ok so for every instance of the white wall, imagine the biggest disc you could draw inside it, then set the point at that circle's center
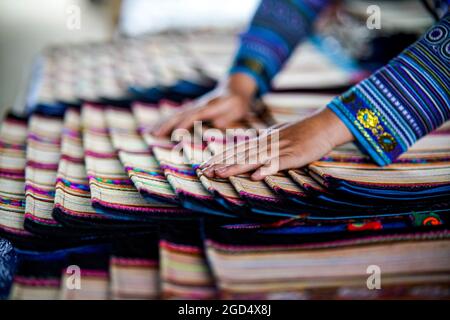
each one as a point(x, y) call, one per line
point(27, 26)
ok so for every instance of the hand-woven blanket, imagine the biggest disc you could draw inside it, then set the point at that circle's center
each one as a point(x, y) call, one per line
point(112, 192)
point(134, 268)
point(187, 186)
point(42, 156)
point(73, 206)
point(294, 269)
point(178, 171)
point(136, 157)
point(13, 133)
point(221, 189)
point(185, 272)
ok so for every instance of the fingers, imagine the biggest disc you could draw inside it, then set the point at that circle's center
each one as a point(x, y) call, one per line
point(243, 152)
point(208, 112)
point(167, 126)
point(235, 169)
point(197, 111)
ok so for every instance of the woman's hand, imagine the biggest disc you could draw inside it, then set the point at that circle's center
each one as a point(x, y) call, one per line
point(223, 106)
point(291, 146)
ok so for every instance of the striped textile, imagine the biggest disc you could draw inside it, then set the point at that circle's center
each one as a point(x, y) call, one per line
point(152, 226)
point(184, 271)
point(42, 155)
point(94, 275)
point(149, 115)
point(112, 192)
point(178, 171)
point(38, 277)
point(136, 156)
point(421, 173)
point(73, 198)
point(13, 133)
point(73, 207)
point(221, 189)
point(134, 268)
point(185, 183)
point(296, 268)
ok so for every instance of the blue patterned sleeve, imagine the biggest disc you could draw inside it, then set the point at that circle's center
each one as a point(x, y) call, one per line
point(275, 30)
point(403, 101)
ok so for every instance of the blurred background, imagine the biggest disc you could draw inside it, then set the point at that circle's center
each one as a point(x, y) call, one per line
point(28, 26)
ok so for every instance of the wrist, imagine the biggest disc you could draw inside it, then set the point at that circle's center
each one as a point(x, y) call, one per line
point(242, 85)
point(335, 129)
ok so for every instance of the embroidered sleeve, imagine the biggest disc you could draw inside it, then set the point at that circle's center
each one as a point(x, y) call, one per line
point(403, 101)
point(275, 30)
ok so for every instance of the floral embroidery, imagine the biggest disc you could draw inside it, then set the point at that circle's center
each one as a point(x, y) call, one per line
point(387, 142)
point(370, 121)
point(367, 118)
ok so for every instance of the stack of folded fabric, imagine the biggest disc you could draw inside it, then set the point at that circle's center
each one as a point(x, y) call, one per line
point(140, 220)
point(97, 207)
point(335, 260)
point(13, 135)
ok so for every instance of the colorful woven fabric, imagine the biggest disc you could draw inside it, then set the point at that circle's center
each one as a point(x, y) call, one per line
point(297, 269)
point(42, 155)
point(73, 206)
point(72, 198)
point(135, 155)
point(38, 277)
point(112, 192)
point(184, 181)
point(185, 273)
point(287, 107)
point(134, 268)
point(158, 228)
point(420, 174)
point(93, 269)
point(221, 189)
point(148, 116)
point(178, 171)
point(13, 135)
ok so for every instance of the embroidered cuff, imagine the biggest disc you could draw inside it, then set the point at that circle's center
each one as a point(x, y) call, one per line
point(373, 132)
